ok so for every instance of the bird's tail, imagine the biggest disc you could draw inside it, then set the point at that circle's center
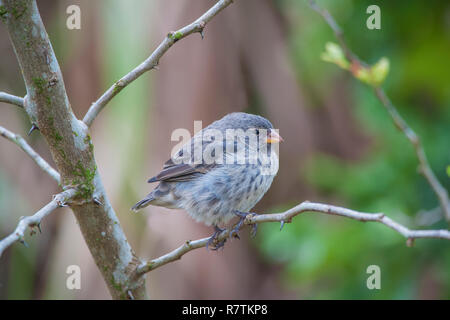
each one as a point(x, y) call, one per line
point(143, 203)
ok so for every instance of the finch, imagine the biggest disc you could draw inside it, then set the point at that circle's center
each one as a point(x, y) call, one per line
point(220, 173)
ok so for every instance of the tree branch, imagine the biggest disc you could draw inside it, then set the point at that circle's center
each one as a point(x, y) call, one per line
point(9, 98)
point(152, 61)
point(59, 200)
point(287, 216)
point(19, 141)
point(400, 123)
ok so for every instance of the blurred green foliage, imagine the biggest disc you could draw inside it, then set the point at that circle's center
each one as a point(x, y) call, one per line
point(325, 256)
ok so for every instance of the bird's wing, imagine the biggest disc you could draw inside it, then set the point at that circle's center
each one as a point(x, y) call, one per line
point(183, 168)
point(181, 172)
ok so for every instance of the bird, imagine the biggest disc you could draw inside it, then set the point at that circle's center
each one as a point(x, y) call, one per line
point(222, 172)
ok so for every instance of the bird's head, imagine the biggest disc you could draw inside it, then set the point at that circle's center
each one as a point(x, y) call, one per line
point(249, 123)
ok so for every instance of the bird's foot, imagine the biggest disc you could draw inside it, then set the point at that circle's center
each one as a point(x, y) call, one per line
point(213, 240)
point(254, 230)
point(242, 216)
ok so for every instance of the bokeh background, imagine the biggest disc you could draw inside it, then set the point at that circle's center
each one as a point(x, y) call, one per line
point(259, 56)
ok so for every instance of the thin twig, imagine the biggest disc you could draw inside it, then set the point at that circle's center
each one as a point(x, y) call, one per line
point(11, 99)
point(59, 200)
point(19, 141)
point(152, 61)
point(400, 123)
point(424, 166)
point(287, 216)
point(336, 30)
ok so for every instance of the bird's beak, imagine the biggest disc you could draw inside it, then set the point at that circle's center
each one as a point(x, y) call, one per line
point(274, 137)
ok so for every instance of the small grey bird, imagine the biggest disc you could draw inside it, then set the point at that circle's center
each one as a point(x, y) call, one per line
point(220, 173)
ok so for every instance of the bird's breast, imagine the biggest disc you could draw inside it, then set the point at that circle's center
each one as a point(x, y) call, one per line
point(215, 196)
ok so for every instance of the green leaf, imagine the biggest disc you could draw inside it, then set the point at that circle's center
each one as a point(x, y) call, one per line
point(373, 76)
point(334, 54)
point(379, 71)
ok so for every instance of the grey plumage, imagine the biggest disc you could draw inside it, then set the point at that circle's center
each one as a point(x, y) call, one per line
point(212, 192)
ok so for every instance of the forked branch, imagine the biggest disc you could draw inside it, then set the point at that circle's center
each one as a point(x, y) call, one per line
point(58, 200)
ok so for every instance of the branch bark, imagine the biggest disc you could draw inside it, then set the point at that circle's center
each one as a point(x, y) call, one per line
point(11, 99)
point(19, 141)
point(153, 60)
point(287, 216)
point(58, 201)
point(399, 122)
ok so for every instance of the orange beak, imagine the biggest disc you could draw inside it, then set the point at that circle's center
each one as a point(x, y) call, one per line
point(274, 137)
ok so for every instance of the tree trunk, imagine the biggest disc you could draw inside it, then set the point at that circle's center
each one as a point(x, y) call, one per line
point(47, 106)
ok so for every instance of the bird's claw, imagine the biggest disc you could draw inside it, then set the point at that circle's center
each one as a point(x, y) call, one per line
point(235, 230)
point(213, 240)
point(234, 234)
point(219, 245)
point(254, 230)
point(242, 216)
